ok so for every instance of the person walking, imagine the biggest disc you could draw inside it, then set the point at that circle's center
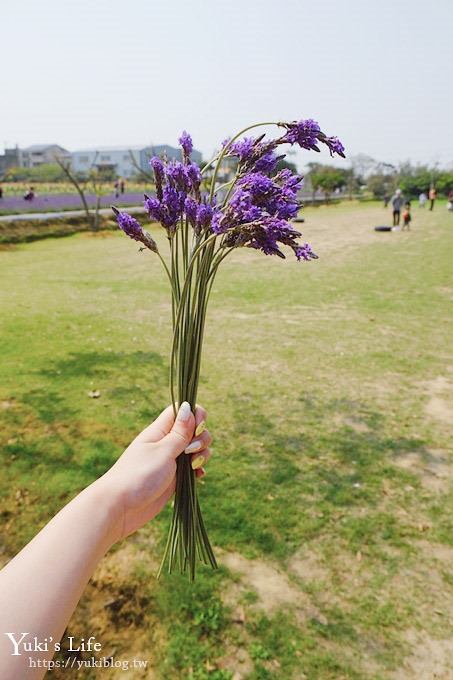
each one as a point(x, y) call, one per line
point(422, 200)
point(397, 202)
point(432, 197)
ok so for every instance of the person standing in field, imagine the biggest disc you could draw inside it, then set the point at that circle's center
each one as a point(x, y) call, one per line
point(116, 186)
point(122, 185)
point(422, 200)
point(407, 217)
point(397, 202)
point(432, 197)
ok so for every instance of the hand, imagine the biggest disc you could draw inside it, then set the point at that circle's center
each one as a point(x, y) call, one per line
point(143, 478)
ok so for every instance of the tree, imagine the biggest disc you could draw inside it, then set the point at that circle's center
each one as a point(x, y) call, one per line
point(381, 185)
point(327, 178)
point(92, 179)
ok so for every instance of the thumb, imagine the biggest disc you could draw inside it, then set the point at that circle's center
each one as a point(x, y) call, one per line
point(181, 433)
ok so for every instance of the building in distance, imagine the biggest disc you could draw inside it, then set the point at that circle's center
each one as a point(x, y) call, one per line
point(123, 161)
point(40, 154)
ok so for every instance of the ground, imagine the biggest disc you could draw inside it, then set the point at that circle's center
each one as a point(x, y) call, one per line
point(329, 496)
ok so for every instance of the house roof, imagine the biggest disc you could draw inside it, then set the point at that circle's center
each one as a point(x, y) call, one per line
point(36, 148)
point(102, 149)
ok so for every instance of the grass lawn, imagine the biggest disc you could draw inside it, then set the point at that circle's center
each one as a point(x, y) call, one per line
point(329, 497)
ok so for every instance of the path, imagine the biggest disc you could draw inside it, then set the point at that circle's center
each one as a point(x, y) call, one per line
point(63, 213)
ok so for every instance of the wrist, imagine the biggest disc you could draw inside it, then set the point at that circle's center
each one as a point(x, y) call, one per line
point(107, 505)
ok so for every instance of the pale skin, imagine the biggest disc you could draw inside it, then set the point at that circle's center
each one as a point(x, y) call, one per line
point(41, 586)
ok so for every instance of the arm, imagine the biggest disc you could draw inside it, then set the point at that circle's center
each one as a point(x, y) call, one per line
point(40, 587)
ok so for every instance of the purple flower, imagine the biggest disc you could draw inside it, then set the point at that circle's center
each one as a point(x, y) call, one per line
point(154, 208)
point(194, 177)
point(304, 252)
point(186, 142)
point(190, 208)
point(216, 222)
point(159, 174)
point(167, 211)
point(304, 133)
point(335, 146)
point(204, 216)
point(266, 163)
point(242, 208)
point(256, 183)
point(242, 149)
point(173, 202)
point(134, 230)
point(177, 175)
point(265, 234)
point(307, 133)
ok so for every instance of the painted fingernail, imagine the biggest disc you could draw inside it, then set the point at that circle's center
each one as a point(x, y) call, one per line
point(198, 462)
point(193, 446)
point(201, 427)
point(184, 411)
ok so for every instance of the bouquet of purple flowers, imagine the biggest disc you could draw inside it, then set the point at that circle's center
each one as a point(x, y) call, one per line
point(204, 221)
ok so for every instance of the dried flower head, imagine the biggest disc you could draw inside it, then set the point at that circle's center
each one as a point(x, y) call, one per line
point(134, 230)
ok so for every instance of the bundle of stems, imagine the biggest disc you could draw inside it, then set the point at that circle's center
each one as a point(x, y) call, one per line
point(195, 260)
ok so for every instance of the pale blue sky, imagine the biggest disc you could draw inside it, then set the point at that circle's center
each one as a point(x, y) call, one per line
point(99, 72)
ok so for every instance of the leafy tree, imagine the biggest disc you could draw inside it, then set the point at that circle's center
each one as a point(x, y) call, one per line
point(327, 178)
point(381, 184)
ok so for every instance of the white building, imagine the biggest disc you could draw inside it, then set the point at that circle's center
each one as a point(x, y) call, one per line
point(118, 160)
point(122, 161)
point(38, 154)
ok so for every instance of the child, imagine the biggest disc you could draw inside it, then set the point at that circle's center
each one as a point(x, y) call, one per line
point(407, 217)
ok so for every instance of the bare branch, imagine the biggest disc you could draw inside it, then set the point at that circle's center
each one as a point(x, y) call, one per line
point(140, 170)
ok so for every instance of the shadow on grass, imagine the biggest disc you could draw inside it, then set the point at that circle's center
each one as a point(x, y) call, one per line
point(55, 439)
point(98, 363)
point(275, 489)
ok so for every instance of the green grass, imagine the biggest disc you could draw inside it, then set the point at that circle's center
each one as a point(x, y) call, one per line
point(317, 379)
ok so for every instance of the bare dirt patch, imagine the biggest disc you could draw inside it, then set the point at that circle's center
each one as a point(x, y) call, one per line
point(440, 399)
point(354, 422)
point(7, 404)
point(272, 586)
point(431, 659)
point(432, 466)
point(308, 567)
point(236, 660)
point(115, 610)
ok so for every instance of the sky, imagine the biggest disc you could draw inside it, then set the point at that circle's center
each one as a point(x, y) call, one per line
point(91, 73)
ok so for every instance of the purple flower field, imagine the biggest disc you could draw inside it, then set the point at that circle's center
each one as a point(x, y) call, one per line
point(61, 202)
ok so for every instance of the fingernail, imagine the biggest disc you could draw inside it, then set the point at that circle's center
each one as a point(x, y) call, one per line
point(184, 411)
point(198, 462)
point(201, 427)
point(193, 446)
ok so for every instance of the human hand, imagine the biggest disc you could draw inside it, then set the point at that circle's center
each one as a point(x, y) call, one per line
point(143, 478)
